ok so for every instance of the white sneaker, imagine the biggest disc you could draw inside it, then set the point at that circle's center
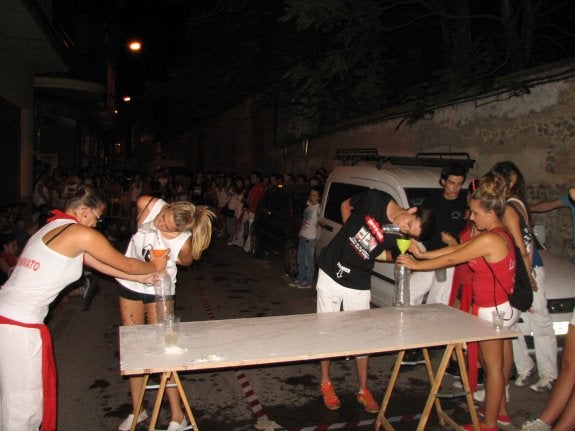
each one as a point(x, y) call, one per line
point(521, 379)
point(535, 425)
point(479, 395)
point(543, 385)
point(127, 424)
point(174, 426)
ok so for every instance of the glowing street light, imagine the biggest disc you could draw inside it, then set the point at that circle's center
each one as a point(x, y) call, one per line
point(126, 98)
point(135, 46)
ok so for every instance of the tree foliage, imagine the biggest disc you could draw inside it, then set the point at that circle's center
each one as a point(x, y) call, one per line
point(363, 55)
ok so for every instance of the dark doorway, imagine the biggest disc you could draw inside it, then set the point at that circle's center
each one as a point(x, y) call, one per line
point(10, 147)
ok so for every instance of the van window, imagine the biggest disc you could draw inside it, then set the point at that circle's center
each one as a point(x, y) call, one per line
point(415, 197)
point(338, 192)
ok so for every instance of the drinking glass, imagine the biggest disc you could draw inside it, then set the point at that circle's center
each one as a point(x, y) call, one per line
point(171, 329)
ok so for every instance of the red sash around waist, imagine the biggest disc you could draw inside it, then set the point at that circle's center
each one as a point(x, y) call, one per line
point(49, 381)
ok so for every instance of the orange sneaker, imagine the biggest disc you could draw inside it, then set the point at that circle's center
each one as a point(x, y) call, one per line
point(330, 399)
point(365, 398)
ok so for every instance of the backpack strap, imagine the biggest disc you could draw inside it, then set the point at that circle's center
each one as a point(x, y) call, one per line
point(511, 203)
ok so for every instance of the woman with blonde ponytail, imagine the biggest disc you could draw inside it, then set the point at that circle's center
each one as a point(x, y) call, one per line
point(186, 231)
point(491, 256)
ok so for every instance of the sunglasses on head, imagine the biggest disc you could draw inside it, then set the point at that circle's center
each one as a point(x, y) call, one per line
point(474, 184)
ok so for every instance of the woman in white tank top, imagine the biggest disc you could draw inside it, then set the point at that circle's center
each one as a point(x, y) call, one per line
point(185, 230)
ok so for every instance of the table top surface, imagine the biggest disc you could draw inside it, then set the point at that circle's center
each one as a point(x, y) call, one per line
point(267, 340)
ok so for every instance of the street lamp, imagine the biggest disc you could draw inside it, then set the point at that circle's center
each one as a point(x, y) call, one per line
point(135, 46)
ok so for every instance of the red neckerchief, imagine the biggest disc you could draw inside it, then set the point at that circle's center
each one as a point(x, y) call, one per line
point(57, 215)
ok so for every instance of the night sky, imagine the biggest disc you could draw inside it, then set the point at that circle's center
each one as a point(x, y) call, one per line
point(160, 29)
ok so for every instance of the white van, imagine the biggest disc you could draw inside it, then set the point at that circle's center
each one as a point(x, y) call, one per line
point(409, 185)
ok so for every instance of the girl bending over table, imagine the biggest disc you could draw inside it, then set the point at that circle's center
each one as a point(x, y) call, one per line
point(185, 230)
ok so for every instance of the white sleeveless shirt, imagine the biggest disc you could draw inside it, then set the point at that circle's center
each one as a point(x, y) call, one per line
point(148, 237)
point(39, 276)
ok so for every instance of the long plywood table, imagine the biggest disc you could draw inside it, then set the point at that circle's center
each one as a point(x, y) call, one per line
point(235, 343)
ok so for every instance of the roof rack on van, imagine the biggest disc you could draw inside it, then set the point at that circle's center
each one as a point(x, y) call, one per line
point(355, 155)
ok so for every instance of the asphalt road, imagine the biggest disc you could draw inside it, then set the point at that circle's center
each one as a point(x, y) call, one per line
point(227, 283)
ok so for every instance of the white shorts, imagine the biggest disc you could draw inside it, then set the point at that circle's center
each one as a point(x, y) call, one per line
point(511, 315)
point(331, 295)
point(572, 322)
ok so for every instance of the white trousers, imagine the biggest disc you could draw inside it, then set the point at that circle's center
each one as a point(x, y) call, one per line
point(248, 243)
point(543, 335)
point(20, 378)
point(424, 282)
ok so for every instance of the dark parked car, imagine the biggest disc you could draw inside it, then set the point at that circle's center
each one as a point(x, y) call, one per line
point(278, 221)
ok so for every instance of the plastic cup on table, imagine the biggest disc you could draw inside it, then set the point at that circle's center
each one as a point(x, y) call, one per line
point(171, 330)
point(498, 320)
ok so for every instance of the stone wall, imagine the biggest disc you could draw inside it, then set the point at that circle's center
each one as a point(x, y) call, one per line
point(535, 130)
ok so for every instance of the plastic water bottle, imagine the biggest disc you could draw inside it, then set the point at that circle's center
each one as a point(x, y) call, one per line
point(401, 291)
point(163, 293)
point(390, 228)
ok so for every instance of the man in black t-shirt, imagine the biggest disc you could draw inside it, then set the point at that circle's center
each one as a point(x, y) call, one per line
point(345, 266)
point(448, 205)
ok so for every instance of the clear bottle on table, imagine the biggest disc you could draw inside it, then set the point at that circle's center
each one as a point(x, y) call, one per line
point(401, 291)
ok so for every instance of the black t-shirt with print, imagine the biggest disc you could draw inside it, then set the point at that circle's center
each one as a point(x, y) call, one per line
point(449, 216)
point(349, 257)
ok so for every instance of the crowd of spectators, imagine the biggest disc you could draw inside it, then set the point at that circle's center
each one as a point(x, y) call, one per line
point(121, 189)
point(52, 188)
